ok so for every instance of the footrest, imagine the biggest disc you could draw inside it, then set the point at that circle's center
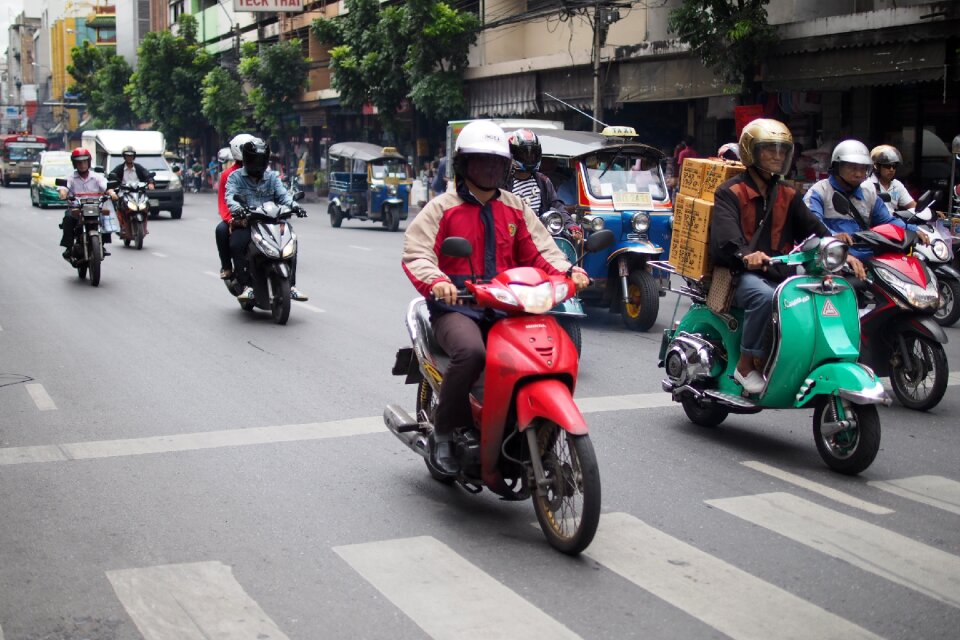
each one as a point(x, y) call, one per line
point(729, 398)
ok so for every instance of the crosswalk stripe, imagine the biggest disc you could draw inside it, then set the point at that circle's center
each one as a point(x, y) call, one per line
point(40, 396)
point(197, 601)
point(158, 254)
point(816, 487)
point(936, 491)
point(715, 592)
point(418, 574)
point(889, 555)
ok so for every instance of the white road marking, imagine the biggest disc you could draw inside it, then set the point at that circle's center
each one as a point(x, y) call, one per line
point(711, 590)
point(40, 396)
point(954, 378)
point(309, 307)
point(211, 273)
point(889, 555)
point(158, 254)
point(190, 441)
point(354, 246)
point(197, 601)
point(936, 491)
point(816, 487)
point(659, 400)
point(416, 574)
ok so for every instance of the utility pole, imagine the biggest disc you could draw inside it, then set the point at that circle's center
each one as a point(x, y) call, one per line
point(603, 17)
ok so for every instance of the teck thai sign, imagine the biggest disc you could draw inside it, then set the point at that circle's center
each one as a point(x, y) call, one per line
point(291, 6)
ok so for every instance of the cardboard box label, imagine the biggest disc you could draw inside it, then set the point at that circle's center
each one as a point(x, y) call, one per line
point(691, 218)
point(691, 176)
point(716, 174)
point(691, 259)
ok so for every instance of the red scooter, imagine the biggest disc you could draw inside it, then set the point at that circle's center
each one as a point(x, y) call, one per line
point(528, 439)
point(900, 338)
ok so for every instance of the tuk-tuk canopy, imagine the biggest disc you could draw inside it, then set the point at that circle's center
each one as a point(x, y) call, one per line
point(575, 144)
point(364, 151)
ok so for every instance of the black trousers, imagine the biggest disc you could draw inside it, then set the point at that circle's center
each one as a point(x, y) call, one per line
point(462, 338)
point(223, 245)
point(239, 240)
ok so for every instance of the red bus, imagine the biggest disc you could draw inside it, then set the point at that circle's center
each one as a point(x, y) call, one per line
point(19, 152)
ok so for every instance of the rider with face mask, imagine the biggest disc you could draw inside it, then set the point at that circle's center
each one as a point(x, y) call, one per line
point(505, 233)
point(257, 185)
point(849, 167)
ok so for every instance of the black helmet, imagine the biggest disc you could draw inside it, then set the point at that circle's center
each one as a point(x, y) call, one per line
point(256, 157)
point(526, 151)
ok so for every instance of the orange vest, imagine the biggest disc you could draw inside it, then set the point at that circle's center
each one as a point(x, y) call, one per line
point(752, 210)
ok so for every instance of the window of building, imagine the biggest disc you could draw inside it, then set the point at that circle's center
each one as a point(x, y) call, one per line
point(176, 10)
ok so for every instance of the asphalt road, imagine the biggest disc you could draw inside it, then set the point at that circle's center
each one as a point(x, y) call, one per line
point(173, 467)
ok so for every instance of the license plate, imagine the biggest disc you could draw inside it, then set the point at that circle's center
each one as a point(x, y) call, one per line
point(631, 199)
point(154, 203)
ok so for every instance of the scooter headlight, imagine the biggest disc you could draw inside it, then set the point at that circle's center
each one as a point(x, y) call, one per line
point(833, 255)
point(593, 223)
point(919, 297)
point(561, 292)
point(290, 248)
point(640, 222)
point(941, 250)
point(265, 246)
point(538, 299)
point(553, 221)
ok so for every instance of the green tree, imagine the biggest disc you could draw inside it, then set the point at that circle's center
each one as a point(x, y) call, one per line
point(352, 37)
point(732, 37)
point(166, 88)
point(223, 102)
point(277, 74)
point(86, 60)
point(108, 103)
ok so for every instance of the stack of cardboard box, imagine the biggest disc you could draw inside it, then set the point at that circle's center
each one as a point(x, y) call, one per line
point(699, 179)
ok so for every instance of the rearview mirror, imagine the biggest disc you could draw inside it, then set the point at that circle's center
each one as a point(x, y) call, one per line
point(600, 240)
point(153, 174)
point(456, 247)
point(113, 184)
point(925, 200)
point(240, 198)
point(98, 170)
point(299, 195)
point(840, 203)
point(60, 182)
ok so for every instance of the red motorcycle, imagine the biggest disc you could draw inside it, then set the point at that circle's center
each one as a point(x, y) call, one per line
point(900, 337)
point(528, 439)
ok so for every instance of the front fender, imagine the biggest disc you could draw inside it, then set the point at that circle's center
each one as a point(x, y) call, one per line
point(335, 201)
point(551, 400)
point(924, 326)
point(849, 380)
point(644, 250)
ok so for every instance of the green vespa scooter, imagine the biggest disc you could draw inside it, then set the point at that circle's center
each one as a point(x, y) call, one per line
point(813, 361)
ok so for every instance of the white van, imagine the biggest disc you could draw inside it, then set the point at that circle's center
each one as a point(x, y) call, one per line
point(106, 146)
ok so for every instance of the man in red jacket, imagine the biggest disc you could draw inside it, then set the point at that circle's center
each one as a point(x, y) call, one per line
point(505, 233)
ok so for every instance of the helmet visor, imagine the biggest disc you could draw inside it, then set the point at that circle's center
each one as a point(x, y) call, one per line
point(527, 156)
point(255, 164)
point(774, 157)
point(486, 170)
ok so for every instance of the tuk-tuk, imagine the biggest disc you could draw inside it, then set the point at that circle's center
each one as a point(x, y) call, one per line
point(367, 182)
point(609, 180)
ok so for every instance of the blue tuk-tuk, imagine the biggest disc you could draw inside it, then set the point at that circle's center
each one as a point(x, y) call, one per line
point(367, 182)
point(610, 181)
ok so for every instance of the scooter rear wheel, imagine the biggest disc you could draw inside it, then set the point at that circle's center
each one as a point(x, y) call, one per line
point(704, 415)
point(569, 510)
point(923, 387)
point(851, 450)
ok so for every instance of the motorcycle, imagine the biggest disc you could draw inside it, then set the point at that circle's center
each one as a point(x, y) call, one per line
point(133, 207)
point(86, 254)
point(812, 363)
point(528, 439)
point(568, 312)
point(939, 255)
point(900, 337)
point(270, 256)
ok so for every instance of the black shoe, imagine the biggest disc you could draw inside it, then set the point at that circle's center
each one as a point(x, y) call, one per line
point(106, 253)
point(66, 254)
point(442, 458)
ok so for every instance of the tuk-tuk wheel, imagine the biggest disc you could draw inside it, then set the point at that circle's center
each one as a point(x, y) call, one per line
point(336, 216)
point(643, 300)
point(391, 218)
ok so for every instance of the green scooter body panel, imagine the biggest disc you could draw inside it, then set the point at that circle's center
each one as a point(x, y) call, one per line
point(835, 377)
point(701, 320)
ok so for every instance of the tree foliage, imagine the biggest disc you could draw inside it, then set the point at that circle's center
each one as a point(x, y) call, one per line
point(385, 55)
point(277, 74)
point(108, 103)
point(87, 59)
point(732, 37)
point(166, 88)
point(223, 102)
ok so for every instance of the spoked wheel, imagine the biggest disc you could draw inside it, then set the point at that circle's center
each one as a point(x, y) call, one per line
point(138, 234)
point(280, 300)
point(569, 510)
point(96, 258)
point(571, 325)
point(705, 415)
point(427, 405)
point(921, 383)
point(847, 434)
point(948, 312)
point(640, 311)
point(336, 216)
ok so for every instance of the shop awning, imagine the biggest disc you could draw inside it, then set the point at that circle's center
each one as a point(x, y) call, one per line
point(504, 96)
point(575, 87)
point(668, 79)
point(869, 66)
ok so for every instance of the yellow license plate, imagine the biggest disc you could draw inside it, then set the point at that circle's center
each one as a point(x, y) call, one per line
point(631, 199)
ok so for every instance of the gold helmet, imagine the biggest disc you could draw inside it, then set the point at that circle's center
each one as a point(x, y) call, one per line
point(885, 154)
point(761, 132)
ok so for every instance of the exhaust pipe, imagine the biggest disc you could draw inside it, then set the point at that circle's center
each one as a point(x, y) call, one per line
point(405, 428)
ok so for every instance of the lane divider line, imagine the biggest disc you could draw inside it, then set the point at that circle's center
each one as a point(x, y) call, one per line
point(40, 396)
point(816, 487)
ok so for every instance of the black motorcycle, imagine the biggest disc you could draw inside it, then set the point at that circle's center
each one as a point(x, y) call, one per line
point(133, 206)
point(86, 253)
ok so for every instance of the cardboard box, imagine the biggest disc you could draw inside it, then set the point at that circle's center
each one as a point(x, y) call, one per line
point(691, 176)
point(717, 173)
point(691, 219)
point(690, 259)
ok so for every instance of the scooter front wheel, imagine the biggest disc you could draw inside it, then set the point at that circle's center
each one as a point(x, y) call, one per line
point(847, 443)
point(568, 510)
point(280, 302)
point(921, 385)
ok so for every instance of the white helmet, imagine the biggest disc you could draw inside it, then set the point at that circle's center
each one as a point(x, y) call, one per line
point(237, 142)
point(852, 151)
point(224, 155)
point(482, 136)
